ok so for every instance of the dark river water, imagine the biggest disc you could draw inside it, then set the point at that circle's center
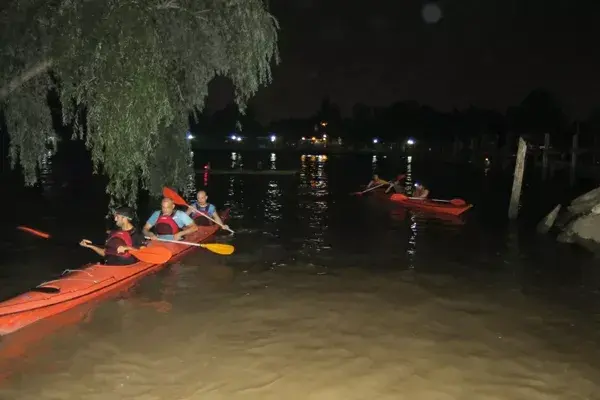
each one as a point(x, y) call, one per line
point(328, 295)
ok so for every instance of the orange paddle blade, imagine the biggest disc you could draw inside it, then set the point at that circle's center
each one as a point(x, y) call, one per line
point(153, 255)
point(219, 248)
point(34, 232)
point(173, 195)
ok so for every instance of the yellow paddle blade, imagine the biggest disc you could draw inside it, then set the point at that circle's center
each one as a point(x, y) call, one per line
point(219, 248)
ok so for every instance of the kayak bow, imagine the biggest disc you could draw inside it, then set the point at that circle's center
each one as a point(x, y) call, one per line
point(79, 286)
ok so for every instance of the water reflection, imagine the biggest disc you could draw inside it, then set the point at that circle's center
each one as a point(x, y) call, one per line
point(273, 204)
point(314, 201)
point(409, 178)
point(47, 181)
point(236, 160)
point(411, 250)
point(189, 190)
point(374, 163)
point(272, 160)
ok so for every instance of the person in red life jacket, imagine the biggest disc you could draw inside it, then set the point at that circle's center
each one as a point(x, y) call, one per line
point(201, 204)
point(396, 184)
point(119, 241)
point(169, 223)
point(421, 191)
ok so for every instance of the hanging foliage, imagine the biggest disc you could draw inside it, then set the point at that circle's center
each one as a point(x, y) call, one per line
point(128, 72)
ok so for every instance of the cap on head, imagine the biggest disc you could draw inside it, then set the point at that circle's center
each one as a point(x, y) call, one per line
point(125, 212)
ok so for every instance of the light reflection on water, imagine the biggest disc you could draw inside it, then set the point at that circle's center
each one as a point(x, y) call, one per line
point(46, 180)
point(314, 200)
point(189, 190)
point(273, 204)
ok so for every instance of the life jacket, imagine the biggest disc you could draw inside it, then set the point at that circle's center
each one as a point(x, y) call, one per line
point(166, 225)
point(119, 238)
point(198, 218)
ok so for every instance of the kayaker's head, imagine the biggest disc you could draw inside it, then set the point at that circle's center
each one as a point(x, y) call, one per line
point(167, 206)
point(123, 217)
point(202, 197)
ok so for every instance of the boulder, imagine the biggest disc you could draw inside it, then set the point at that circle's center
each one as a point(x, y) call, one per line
point(587, 227)
point(579, 223)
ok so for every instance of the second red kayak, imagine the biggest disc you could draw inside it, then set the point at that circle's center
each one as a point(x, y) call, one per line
point(452, 207)
point(78, 286)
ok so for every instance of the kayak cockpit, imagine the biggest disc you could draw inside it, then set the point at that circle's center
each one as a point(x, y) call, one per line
point(46, 289)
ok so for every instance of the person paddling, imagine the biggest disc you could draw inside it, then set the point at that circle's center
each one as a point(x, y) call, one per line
point(376, 181)
point(201, 204)
point(421, 191)
point(120, 241)
point(169, 223)
point(396, 184)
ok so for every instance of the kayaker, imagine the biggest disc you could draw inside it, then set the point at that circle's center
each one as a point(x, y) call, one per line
point(396, 184)
point(169, 223)
point(201, 204)
point(375, 181)
point(119, 241)
point(421, 191)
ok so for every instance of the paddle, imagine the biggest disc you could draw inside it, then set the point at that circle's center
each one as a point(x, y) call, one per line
point(150, 255)
point(369, 189)
point(219, 248)
point(177, 199)
point(454, 202)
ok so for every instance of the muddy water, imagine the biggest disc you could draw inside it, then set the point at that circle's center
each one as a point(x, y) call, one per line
point(317, 305)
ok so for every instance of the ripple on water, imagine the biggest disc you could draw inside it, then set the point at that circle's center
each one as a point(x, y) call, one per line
point(349, 336)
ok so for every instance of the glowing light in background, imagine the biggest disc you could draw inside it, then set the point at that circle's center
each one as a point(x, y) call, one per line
point(431, 13)
point(375, 141)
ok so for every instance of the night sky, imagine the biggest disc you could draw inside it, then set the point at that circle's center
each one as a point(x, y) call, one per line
point(489, 53)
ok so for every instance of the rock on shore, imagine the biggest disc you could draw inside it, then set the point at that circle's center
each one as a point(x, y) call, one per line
point(579, 223)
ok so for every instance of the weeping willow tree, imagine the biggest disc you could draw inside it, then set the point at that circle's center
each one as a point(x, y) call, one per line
point(128, 74)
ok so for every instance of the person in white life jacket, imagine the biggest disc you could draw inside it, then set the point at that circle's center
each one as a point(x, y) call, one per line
point(420, 191)
point(119, 241)
point(169, 223)
point(205, 208)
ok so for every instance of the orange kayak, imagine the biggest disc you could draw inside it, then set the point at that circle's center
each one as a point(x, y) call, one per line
point(79, 286)
point(436, 206)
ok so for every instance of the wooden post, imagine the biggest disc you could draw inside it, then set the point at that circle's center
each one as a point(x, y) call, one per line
point(513, 209)
point(545, 156)
point(574, 150)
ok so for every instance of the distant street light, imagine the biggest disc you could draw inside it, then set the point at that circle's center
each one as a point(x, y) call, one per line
point(410, 142)
point(273, 138)
point(190, 136)
point(375, 141)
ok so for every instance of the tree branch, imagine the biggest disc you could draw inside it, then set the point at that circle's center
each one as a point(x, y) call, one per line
point(20, 80)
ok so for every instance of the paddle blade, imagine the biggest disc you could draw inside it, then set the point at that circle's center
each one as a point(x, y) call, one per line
point(173, 195)
point(219, 248)
point(458, 202)
point(34, 232)
point(153, 255)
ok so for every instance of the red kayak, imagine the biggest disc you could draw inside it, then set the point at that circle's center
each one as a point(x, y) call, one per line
point(452, 207)
point(79, 286)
